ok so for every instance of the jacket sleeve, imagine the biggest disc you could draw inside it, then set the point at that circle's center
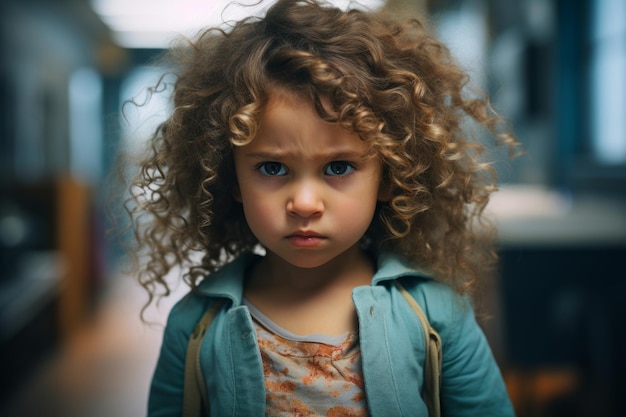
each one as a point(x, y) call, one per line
point(472, 384)
point(166, 390)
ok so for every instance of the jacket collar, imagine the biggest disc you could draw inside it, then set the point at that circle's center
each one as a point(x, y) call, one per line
point(392, 267)
point(228, 282)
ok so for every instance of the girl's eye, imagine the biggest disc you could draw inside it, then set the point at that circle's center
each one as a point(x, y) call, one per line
point(272, 169)
point(339, 168)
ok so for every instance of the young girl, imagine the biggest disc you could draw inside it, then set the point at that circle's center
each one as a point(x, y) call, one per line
point(313, 158)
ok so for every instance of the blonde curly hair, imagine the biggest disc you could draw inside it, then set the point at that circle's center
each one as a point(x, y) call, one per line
point(393, 84)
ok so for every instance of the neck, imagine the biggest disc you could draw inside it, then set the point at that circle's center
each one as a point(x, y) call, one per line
point(351, 268)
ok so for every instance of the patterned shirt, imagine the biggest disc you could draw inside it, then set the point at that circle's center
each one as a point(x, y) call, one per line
point(314, 375)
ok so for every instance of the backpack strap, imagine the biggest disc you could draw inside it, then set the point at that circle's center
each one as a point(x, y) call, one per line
point(195, 398)
point(432, 363)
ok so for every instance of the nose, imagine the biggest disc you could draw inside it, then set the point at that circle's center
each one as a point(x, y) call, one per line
point(305, 200)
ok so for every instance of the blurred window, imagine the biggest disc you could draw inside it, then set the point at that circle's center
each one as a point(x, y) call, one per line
point(608, 81)
point(85, 101)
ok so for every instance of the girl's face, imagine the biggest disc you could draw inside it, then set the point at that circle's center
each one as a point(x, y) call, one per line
point(309, 188)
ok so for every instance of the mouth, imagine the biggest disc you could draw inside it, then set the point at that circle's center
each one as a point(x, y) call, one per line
point(306, 233)
point(306, 239)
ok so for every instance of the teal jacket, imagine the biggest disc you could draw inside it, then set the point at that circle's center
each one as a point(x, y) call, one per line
point(392, 349)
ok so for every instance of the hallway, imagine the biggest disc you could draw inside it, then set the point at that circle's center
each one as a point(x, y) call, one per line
point(105, 369)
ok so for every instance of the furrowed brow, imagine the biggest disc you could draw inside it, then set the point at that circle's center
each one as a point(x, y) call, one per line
point(331, 156)
point(268, 156)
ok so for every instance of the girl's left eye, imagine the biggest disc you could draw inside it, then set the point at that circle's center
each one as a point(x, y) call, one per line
point(339, 168)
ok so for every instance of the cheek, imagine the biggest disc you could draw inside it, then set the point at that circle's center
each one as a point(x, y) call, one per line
point(258, 208)
point(358, 210)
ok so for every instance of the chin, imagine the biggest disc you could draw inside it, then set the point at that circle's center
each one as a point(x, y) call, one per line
point(306, 259)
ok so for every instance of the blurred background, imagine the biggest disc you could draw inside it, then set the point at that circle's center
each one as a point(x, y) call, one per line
point(72, 343)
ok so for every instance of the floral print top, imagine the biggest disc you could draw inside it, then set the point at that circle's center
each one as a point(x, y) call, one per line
point(315, 375)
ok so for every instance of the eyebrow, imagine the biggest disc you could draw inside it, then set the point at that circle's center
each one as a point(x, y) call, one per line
point(336, 156)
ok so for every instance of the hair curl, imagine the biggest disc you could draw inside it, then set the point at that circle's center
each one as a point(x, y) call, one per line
point(393, 84)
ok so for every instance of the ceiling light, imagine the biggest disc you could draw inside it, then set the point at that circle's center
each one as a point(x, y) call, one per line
point(156, 23)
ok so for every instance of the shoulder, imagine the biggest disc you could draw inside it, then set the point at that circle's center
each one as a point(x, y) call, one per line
point(437, 299)
point(184, 316)
point(226, 284)
point(440, 302)
point(449, 313)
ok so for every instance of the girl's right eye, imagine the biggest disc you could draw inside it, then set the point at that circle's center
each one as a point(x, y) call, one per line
point(272, 169)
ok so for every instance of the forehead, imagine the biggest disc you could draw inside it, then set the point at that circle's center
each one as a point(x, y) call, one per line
point(290, 124)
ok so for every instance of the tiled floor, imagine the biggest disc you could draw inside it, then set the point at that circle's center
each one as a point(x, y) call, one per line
point(105, 369)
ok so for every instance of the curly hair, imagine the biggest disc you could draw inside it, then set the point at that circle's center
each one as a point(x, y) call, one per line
point(392, 83)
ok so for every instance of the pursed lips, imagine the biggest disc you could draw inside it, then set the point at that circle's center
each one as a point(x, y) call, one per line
point(306, 238)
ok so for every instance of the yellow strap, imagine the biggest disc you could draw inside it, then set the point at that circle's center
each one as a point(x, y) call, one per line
point(432, 363)
point(195, 399)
